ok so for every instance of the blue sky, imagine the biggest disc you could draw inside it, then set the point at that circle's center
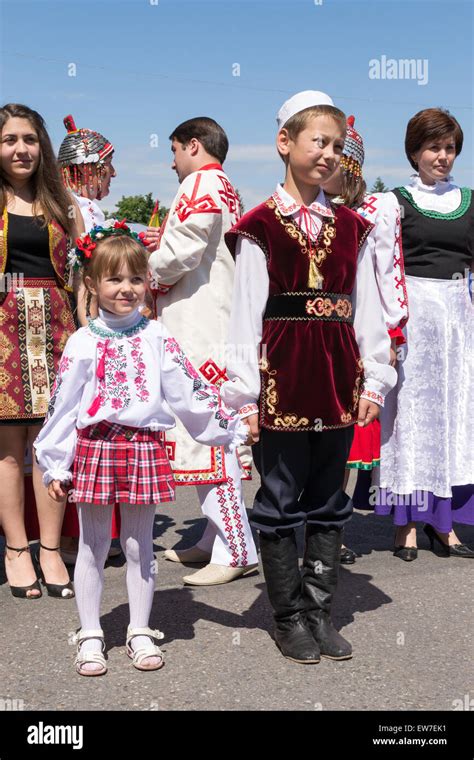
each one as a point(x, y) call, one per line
point(143, 66)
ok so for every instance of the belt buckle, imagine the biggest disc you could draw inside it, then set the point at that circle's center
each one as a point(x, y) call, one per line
point(129, 434)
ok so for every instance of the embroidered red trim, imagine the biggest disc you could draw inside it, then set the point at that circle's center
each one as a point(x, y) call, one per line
point(248, 409)
point(372, 396)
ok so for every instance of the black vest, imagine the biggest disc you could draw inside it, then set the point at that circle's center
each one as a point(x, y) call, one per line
point(439, 248)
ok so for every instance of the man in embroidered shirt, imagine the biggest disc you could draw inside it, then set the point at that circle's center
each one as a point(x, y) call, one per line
point(195, 272)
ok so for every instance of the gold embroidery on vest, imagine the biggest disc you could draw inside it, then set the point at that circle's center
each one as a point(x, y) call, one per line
point(271, 399)
point(356, 393)
point(3, 242)
point(316, 255)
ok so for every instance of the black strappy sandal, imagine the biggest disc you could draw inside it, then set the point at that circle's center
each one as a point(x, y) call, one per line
point(22, 591)
point(60, 591)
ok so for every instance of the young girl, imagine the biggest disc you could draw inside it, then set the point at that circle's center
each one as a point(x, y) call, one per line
point(118, 379)
point(348, 186)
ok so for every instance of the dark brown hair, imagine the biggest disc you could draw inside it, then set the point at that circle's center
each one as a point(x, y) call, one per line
point(111, 253)
point(431, 124)
point(300, 121)
point(50, 194)
point(209, 133)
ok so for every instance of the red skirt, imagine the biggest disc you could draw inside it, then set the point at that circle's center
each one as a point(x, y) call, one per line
point(35, 322)
point(365, 450)
point(115, 463)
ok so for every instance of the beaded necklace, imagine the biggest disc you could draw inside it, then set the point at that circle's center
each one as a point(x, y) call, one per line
point(458, 212)
point(118, 333)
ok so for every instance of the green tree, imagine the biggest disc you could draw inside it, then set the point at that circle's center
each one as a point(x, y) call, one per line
point(379, 186)
point(136, 208)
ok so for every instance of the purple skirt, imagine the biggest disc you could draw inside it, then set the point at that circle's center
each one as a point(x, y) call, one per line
point(424, 506)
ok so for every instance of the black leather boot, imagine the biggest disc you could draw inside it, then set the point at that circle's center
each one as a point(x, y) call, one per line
point(320, 573)
point(282, 575)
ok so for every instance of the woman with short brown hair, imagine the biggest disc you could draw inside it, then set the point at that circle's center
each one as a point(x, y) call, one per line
point(427, 427)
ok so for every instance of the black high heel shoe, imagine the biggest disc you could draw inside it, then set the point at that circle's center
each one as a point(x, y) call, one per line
point(60, 591)
point(406, 553)
point(21, 592)
point(456, 550)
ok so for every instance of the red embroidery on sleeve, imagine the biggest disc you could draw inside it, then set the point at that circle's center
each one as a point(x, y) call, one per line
point(229, 197)
point(195, 205)
point(213, 373)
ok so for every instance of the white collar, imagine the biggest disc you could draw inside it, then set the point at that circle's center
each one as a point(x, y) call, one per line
point(116, 323)
point(287, 205)
point(439, 188)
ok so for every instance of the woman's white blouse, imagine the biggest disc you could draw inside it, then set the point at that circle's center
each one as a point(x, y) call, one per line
point(443, 196)
point(139, 380)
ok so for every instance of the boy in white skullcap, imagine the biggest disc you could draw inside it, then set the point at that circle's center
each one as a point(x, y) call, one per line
point(305, 294)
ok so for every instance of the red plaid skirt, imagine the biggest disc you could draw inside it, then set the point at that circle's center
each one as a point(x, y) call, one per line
point(115, 463)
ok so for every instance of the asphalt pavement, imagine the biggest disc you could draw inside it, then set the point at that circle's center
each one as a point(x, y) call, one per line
point(410, 625)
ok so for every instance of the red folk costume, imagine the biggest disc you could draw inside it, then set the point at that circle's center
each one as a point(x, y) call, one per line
point(300, 321)
point(305, 294)
point(35, 322)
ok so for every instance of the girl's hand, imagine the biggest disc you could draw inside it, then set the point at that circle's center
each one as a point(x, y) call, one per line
point(57, 490)
point(368, 412)
point(254, 431)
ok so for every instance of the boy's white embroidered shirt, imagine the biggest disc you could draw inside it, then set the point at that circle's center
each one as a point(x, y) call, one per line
point(137, 378)
point(251, 290)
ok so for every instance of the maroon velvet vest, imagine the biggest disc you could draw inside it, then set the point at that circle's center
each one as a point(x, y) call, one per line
point(311, 371)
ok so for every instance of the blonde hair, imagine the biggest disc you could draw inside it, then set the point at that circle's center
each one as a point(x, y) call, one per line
point(110, 255)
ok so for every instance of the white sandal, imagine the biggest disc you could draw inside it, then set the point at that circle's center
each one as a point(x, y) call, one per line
point(84, 658)
point(138, 655)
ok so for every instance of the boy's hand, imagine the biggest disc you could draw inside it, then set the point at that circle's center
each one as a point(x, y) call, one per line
point(57, 490)
point(368, 412)
point(254, 431)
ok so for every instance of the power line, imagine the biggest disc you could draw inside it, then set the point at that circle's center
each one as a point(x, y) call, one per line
point(234, 86)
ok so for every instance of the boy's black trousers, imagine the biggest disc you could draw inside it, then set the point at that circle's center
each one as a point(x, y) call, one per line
point(301, 480)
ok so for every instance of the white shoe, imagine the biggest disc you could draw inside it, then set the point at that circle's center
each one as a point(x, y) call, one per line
point(213, 575)
point(138, 655)
point(86, 658)
point(193, 554)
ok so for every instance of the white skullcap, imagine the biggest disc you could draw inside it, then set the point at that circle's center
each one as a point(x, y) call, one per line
point(299, 102)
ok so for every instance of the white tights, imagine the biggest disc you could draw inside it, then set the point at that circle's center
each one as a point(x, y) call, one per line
point(136, 538)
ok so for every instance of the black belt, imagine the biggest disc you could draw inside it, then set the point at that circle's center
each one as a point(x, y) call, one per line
point(330, 307)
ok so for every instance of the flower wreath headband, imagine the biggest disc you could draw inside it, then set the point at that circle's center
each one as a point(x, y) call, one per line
point(87, 242)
